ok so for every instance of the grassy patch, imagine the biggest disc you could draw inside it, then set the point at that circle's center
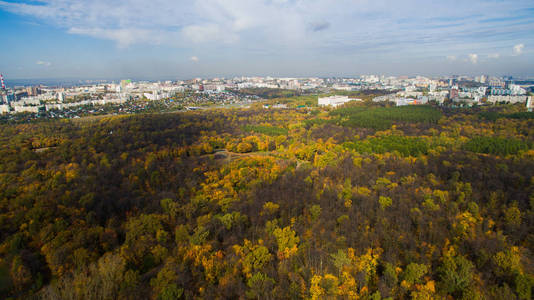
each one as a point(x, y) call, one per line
point(405, 145)
point(267, 130)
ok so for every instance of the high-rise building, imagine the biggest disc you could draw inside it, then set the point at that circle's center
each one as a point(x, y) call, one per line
point(481, 78)
point(61, 96)
point(497, 83)
point(454, 93)
point(7, 97)
point(33, 90)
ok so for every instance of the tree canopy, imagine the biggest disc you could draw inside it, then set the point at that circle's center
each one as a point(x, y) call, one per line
point(359, 202)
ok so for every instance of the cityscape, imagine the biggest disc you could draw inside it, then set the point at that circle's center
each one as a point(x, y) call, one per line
point(129, 96)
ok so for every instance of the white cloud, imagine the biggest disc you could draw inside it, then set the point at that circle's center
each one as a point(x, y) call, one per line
point(518, 49)
point(473, 58)
point(343, 26)
point(194, 59)
point(208, 33)
point(44, 63)
point(451, 58)
point(123, 37)
point(494, 55)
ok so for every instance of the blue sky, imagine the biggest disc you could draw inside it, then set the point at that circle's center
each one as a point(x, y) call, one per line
point(182, 39)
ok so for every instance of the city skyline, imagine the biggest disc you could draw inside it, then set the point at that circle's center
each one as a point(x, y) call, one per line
point(163, 39)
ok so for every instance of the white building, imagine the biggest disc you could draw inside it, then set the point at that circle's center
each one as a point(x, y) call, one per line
point(517, 90)
point(156, 95)
point(335, 100)
point(405, 101)
point(62, 106)
point(28, 101)
point(31, 109)
point(342, 87)
point(61, 97)
point(4, 108)
point(507, 99)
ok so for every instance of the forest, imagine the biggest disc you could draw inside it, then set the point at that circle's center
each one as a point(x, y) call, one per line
point(365, 201)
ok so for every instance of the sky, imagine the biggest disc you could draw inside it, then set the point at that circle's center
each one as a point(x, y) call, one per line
point(175, 39)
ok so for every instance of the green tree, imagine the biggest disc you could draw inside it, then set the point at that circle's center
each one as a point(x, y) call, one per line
point(456, 274)
point(414, 273)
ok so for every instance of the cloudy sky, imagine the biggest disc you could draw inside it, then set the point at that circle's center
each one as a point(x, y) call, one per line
point(159, 39)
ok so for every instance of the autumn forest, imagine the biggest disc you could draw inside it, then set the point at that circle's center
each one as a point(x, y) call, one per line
point(364, 201)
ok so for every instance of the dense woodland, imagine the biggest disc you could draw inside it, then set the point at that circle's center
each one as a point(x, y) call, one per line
point(360, 202)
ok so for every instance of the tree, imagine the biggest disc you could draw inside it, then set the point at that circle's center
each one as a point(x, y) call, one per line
point(456, 274)
point(287, 242)
point(385, 202)
point(259, 286)
point(414, 273)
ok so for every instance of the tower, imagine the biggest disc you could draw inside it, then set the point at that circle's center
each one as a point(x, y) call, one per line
point(2, 80)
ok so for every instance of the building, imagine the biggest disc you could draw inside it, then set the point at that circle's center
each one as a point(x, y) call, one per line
point(500, 92)
point(33, 90)
point(7, 97)
point(454, 93)
point(4, 109)
point(156, 95)
point(482, 78)
point(61, 97)
point(335, 100)
point(507, 99)
point(497, 83)
point(530, 104)
point(125, 83)
point(517, 90)
point(30, 109)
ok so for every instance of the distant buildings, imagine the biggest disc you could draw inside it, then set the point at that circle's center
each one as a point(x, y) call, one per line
point(497, 83)
point(401, 90)
point(508, 99)
point(400, 100)
point(335, 100)
point(156, 95)
point(33, 90)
